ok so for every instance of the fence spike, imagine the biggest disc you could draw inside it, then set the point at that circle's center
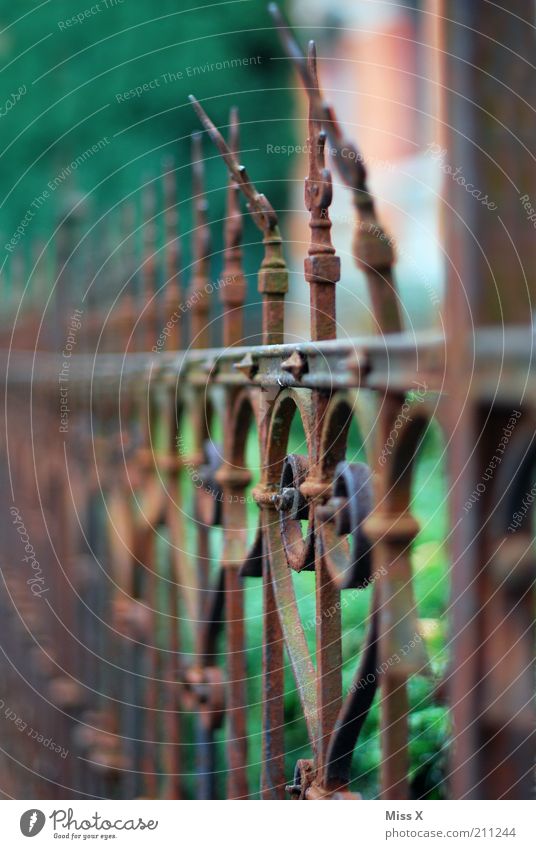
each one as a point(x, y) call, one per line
point(233, 289)
point(128, 258)
point(148, 294)
point(273, 273)
point(173, 254)
point(373, 248)
point(200, 306)
point(322, 266)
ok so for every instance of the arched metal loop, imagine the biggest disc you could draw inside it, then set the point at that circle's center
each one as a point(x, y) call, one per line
point(293, 510)
point(210, 491)
point(345, 545)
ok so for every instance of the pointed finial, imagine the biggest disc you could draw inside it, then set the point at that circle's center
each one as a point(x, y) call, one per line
point(322, 267)
point(233, 290)
point(260, 208)
point(350, 166)
point(273, 273)
point(373, 249)
point(200, 305)
point(172, 291)
point(148, 295)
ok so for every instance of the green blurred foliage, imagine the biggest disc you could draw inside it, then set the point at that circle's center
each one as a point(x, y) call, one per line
point(75, 79)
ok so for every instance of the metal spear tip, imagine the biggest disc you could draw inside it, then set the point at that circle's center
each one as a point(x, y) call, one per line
point(201, 114)
point(311, 84)
point(197, 152)
point(234, 130)
point(275, 12)
point(289, 40)
point(148, 196)
point(213, 133)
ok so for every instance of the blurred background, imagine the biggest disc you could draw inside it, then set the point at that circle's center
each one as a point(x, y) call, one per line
point(95, 99)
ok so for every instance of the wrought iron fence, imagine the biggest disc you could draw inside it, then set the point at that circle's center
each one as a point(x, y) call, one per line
point(135, 518)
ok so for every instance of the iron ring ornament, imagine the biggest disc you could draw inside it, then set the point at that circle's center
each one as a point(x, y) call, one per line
point(345, 546)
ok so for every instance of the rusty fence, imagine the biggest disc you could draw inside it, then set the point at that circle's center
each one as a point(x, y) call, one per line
point(150, 488)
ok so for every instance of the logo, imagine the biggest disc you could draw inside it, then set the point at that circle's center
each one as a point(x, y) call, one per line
point(31, 822)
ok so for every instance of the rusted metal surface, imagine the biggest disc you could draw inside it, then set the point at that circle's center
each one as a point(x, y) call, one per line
point(491, 683)
point(144, 676)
